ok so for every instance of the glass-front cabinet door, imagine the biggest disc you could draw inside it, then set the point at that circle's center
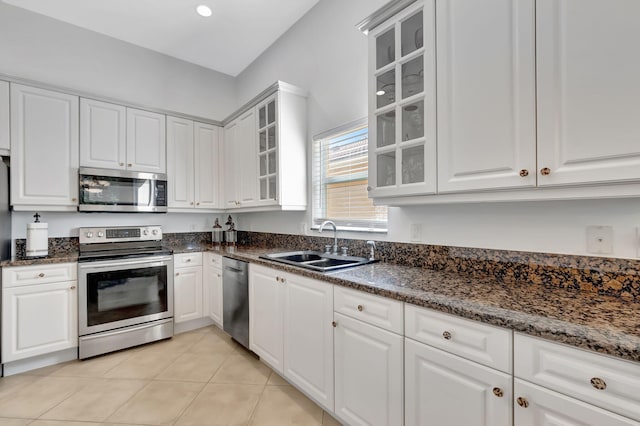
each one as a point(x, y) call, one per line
point(402, 133)
point(268, 149)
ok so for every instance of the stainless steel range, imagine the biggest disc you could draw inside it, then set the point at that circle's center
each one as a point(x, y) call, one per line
point(125, 295)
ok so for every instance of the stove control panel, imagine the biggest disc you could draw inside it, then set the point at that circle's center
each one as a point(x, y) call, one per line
point(120, 234)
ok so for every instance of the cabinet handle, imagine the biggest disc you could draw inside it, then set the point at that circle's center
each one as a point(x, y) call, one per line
point(369, 188)
point(74, 200)
point(598, 383)
point(73, 287)
point(524, 172)
point(334, 324)
point(197, 204)
point(360, 308)
point(446, 335)
point(545, 171)
point(129, 165)
point(187, 260)
point(121, 164)
point(498, 392)
point(522, 402)
point(218, 275)
point(177, 274)
point(41, 274)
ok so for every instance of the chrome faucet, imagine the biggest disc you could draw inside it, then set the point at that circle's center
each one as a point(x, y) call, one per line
point(335, 234)
point(372, 245)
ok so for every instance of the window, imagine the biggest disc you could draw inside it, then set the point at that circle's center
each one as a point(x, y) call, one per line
point(340, 164)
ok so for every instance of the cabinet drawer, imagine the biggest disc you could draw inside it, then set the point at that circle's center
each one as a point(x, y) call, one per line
point(609, 383)
point(375, 310)
point(212, 259)
point(182, 260)
point(473, 340)
point(41, 274)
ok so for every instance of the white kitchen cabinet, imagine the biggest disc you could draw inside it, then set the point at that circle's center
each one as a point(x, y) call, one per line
point(444, 389)
point(368, 373)
point(486, 94)
point(5, 144)
point(308, 337)
point(241, 162)
point(588, 64)
point(39, 310)
point(146, 141)
point(402, 103)
point(266, 315)
point(44, 149)
point(212, 287)
point(187, 283)
point(265, 153)
point(537, 406)
point(192, 165)
point(103, 135)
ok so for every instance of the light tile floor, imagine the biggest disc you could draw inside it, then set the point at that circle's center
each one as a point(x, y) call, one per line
point(197, 378)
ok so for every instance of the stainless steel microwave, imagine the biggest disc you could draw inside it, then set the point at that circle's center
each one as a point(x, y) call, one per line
point(105, 190)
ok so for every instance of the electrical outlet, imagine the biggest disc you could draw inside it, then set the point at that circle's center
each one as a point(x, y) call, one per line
point(600, 239)
point(416, 232)
point(303, 228)
point(637, 241)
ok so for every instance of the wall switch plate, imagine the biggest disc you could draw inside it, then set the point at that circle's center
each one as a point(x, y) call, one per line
point(600, 239)
point(416, 232)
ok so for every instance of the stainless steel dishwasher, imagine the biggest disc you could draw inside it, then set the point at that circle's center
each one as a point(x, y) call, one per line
point(235, 299)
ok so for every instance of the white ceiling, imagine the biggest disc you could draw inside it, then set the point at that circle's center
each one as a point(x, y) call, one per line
point(228, 41)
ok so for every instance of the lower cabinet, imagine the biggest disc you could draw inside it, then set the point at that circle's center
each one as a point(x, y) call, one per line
point(290, 329)
point(212, 287)
point(187, 285)
point(39, 311)
point(537, 406)
point(444, 389)
point(368, 373)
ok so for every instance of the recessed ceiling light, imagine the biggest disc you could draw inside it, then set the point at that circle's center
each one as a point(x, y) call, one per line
point(203, 10)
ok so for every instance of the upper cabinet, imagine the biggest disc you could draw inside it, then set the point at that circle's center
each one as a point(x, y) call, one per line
point(402, 102)
point(4, 118)
point(588, 66)
point(192, 165)
point(486, 94)
point(119, 138)
point(44, 149)
point(530, 94)
point(265, 152)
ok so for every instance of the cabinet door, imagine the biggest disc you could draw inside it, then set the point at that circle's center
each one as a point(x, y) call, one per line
point(187, 297)
point(44, 148)
point(212, 290)
point(39, 319)
point(4, 116)
point(246, 160)
point(308, 337)
point(588, 65)
point(438, 384)
point(267, 149)
point(231, 186)
point(486, 94)
point(368, 374)
point(402, 104)
point(207, 161)
point(146, 141)
point(180, 162)
point(102, 135)
point(266, 296)
point(537, 406)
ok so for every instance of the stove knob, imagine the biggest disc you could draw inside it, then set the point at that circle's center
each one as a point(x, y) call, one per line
point(100, 234)
point(145, 232)
point(89, 234)
point(154, 232)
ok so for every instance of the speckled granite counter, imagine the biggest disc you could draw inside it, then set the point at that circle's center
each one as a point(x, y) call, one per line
point(53, 258)
point(603, 324)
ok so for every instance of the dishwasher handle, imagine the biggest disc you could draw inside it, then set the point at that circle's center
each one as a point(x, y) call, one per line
point(234, 270)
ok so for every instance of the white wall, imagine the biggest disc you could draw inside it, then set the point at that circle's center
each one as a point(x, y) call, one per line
point(39, 48)
point(325, 54)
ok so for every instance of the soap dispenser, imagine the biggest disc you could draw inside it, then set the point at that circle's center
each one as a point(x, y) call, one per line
point(37, 238)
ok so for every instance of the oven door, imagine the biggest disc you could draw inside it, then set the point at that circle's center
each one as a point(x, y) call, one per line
point(120, 293)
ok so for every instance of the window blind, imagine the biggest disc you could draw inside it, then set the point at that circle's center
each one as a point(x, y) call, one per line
point(340, 167)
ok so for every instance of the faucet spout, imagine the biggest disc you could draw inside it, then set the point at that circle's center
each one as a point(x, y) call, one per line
point(335, 234)
point(372, 246)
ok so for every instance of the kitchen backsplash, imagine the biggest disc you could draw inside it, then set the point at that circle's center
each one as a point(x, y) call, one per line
point(605, 276)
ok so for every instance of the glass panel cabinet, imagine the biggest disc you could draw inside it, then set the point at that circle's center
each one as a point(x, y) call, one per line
point(402, 144)
point(267, 136)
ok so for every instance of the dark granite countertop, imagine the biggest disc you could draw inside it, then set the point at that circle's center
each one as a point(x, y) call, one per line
point(53, 258)
point(604, 324)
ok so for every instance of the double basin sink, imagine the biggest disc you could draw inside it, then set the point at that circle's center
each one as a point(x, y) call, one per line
point(317, 260)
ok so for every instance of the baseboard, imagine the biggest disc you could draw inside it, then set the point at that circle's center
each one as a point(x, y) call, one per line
point(40, 361)
point(182, 327)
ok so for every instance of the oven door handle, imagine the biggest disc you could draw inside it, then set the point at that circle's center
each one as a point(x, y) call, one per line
point(108, 264)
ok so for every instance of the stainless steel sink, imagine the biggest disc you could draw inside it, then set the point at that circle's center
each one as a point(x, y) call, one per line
point(316, 260)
